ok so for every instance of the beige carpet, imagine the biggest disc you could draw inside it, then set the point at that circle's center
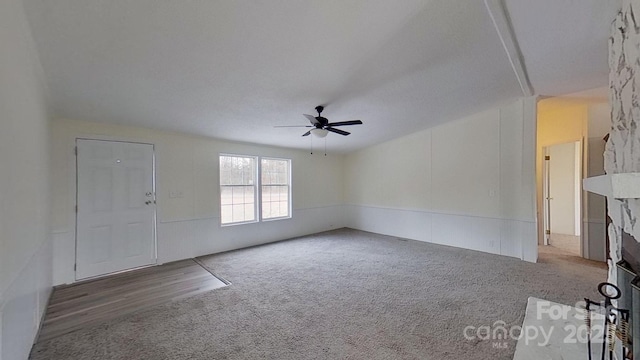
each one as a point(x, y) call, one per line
point(569, 243)
point(343, 294)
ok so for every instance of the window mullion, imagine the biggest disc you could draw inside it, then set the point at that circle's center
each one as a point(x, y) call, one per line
point(258, 191)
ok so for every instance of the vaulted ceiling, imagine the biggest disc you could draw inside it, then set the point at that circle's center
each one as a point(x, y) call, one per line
point(234, 69)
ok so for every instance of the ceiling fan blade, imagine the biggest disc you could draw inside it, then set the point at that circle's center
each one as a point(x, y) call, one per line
point(312, 119)
point(307, 133)
point(338, 131)
point(342, 123)
point(284, 126)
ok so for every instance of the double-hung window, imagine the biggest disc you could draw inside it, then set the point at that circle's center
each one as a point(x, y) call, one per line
point(275, 176)
point(254, 189)
point(238, 176)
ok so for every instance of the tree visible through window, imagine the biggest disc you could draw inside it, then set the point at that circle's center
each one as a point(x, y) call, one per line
point(275, 188)
point(237, 189)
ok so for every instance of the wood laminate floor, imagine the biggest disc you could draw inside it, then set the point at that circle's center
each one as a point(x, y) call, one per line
point(73, 307)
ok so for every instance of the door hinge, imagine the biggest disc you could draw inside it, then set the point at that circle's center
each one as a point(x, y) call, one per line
point(547, 232)
point(75, 150)
point(547, 157)
point(75, 267)
point(76, 208)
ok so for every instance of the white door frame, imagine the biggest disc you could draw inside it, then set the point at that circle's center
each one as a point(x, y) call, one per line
point(546, 196)
point(580, 193)
point(155, 209)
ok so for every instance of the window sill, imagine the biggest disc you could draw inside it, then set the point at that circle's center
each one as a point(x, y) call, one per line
point(276, 219)
point(239, 223)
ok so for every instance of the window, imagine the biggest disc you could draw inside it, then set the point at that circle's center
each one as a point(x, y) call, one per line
point(244, 179)
point(238, 189)
point(275, 188)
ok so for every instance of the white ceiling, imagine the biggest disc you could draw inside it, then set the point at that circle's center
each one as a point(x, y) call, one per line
point(564, 42)
point(234, 69)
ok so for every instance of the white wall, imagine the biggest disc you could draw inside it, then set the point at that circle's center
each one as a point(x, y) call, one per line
point(25, 246)
point(599, 119)
point(469, 183)
point(190, 226)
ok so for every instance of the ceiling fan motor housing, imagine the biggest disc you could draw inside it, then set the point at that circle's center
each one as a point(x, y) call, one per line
point(323, 120)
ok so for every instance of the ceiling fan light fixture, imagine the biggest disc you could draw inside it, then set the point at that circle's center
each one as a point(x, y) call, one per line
point(319, 132)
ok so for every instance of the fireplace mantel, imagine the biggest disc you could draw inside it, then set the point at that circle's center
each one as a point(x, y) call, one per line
point(619, 186)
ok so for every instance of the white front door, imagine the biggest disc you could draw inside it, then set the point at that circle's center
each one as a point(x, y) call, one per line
point(116, 207)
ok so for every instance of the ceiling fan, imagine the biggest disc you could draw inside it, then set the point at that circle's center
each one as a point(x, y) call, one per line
point(321, 125)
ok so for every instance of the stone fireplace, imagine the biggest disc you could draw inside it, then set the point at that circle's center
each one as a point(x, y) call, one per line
point(624, 256)
point(631, 252)
point(629, 284)
point(621, 185)
point(628, 280)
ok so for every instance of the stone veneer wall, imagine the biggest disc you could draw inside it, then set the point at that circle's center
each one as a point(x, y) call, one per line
point(622, 153)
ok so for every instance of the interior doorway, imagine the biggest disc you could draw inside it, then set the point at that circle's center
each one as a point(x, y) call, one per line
point(562, 189)
point(584, 119)
point(116, 212)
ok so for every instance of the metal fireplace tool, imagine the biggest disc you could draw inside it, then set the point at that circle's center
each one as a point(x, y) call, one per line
point(615, 323)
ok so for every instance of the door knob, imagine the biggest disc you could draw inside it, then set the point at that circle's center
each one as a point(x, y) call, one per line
point(148, 194)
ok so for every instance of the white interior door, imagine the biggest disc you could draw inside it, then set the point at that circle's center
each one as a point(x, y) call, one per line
point(562, 173)
point(562, 191)
point(116, 207)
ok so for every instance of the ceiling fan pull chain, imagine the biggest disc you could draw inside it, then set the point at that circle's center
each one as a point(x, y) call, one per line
point(325, 146)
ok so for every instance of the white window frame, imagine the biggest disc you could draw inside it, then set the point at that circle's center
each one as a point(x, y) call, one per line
point(290, 202)
point(257, 190)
